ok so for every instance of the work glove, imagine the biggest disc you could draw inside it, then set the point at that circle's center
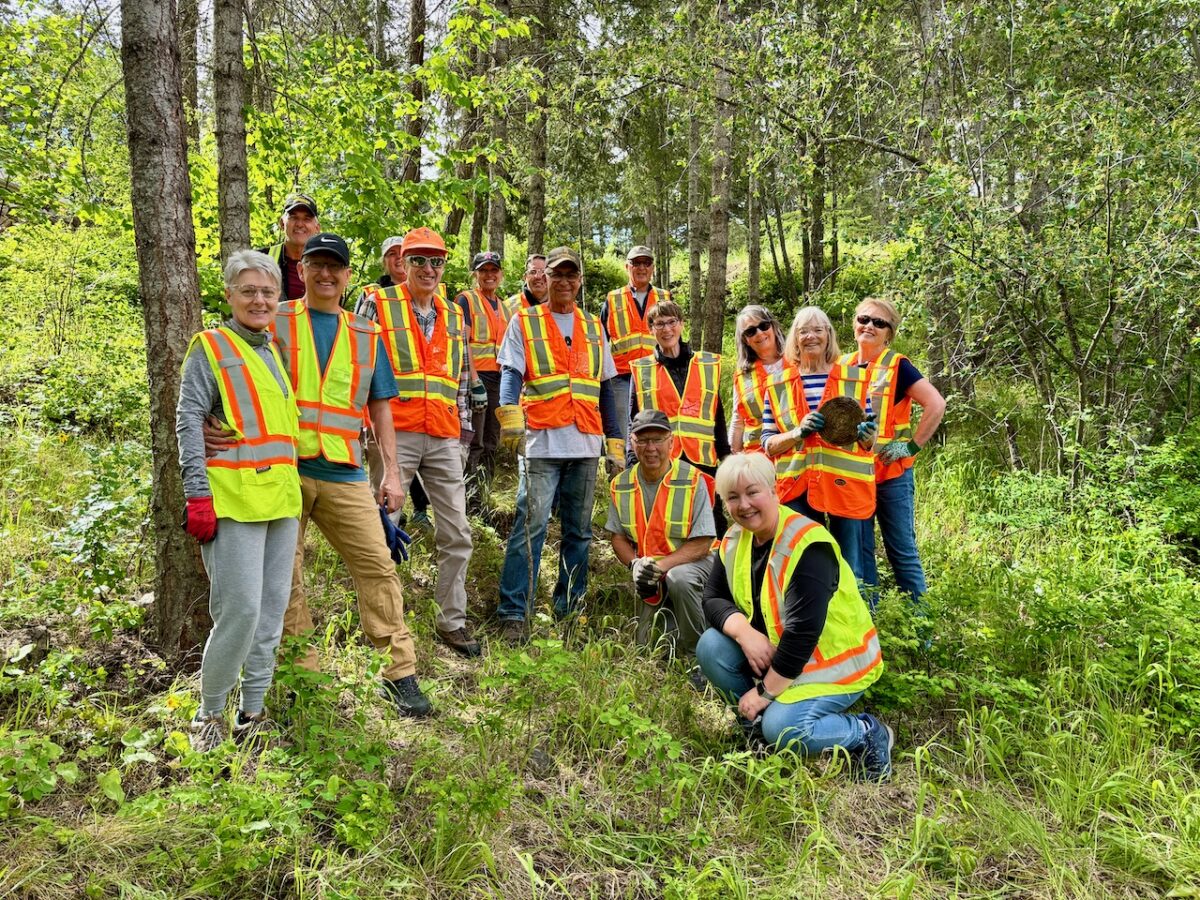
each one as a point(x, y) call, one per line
point(867, 430)
point(646, 575)
point(479, 398)
point(512, 426)
point(894, 451)
point(811, 424)
point(200, 519)
point(614, 456)
point(397, 539)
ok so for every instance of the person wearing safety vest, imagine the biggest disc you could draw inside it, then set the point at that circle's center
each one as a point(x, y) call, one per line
point(425, 339)
point(393, 266)
point(661, 526)
point(624, 316)
point(790, 640)
point(556, 399)
point(487, 318)
point(759, 356)
point(893, 384)
point(243, 504)
point(298, 223)
point(833, 485)
point(685, 384)
point(535, 289)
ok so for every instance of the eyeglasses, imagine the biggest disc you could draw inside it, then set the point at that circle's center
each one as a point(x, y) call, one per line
point(641, 263)
point(665, 323)
point(651, 442)
point(864, 319)
point(532, 272)
point(812, 332)
point(563, 276)
point(419, 261)
point(752, 330)
point(250, 292)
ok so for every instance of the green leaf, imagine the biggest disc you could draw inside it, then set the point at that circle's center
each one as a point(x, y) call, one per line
point(110, 783)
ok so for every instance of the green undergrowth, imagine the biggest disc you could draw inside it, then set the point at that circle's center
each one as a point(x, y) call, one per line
point(1046, 735)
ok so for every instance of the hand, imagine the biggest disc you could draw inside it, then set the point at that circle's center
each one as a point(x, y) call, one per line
point(811, 424)
point(479, 397)
point(647, 575)
point(758, 650)
point(894, 451)
point(218, 437)
point(200, 519)
point(397, 539)
point(614, 456)
point(867, 431)
point(391, 495)
point(512, 426)
point(752, 703)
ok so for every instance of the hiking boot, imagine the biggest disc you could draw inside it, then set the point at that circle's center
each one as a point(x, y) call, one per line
point(207, 732)
point(875, 759)
point(696, 679)
point(512, 631)
point(420, 520)
point(460, 641)
point(255, 728)
point(406, 694)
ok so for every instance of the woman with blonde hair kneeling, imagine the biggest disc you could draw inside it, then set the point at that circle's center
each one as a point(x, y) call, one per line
point(790, 640)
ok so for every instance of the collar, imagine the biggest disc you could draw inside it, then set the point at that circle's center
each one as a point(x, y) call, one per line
point(253, 338)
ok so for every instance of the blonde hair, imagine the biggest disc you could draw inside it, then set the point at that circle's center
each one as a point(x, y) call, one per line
point(754, 468)
point(890, 312)
point(746, 356)
point(805, 316)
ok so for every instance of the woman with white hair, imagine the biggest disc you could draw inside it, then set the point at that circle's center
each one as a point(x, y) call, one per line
point(790, 640)
point(759, 356)
point(243, 504)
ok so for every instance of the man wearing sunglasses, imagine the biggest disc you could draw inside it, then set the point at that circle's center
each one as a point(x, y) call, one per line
point(536, 288)
point(425, 338)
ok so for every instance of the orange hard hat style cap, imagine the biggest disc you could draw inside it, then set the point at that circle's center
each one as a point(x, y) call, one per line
point(422, 238)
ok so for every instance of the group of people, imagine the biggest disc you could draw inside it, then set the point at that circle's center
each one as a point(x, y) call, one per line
point(297, 409)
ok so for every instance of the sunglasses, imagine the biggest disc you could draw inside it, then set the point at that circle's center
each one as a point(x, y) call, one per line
point(864, 319)
point(750, 332)
point(419, 261)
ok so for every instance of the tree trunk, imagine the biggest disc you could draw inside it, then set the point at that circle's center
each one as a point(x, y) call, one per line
point(415, 127)
point(718, 235)
point(753, 242)
point(379, 36)
point(536, 225)
point(229, 96)
point(478, 217)
point(694, 201)
point(834, 248)
point(189, 34)
point(466, 168)
point(816, 222)
point(775, 259)
point(789, 290)
point(166, 252)
point(497, 210)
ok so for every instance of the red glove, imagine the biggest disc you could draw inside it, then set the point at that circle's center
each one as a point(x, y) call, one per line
point(201, 519)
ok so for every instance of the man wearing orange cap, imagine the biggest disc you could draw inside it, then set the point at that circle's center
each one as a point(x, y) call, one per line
point(426, 342)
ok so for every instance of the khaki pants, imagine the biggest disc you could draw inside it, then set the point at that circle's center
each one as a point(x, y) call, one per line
point(680, 614)
point(440, 465)
point(348, 517)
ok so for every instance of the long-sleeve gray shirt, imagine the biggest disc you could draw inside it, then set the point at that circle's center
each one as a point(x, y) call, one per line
point(199, 397)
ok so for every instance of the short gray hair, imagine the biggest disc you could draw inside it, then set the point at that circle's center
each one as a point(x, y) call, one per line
point(756, 468)
point(244, 260)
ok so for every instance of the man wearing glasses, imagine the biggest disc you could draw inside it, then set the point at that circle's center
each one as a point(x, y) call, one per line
point(623, 315)
point(555, 395)
point(298, 223)
point(535, 290)
point(685, 385)
point(425, 338)
point(661, 523)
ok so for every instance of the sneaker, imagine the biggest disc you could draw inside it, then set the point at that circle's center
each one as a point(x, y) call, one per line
point(207, 732)
point(460, 641)
point(406, 694)
point(696, 679)
point(512, 631)
point(248, 729)
point(875, 760)
point(420, 520)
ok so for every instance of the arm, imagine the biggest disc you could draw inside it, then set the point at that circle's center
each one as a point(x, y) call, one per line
point(933, 407)
point(737, 428)
point(199, 399)
point(623, 548)
point(608, 410)
point(391, 493)
point(721, 436)
point(693, 550)
point(511, 382)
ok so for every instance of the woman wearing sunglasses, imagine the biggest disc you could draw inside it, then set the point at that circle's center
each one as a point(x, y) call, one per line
point(759, 356)
point(894, 385)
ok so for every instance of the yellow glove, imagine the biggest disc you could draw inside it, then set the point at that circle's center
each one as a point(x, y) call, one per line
point(614, 455)
point(512, 426)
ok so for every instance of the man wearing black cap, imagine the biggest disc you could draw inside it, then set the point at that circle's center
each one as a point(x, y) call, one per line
point(487, 319)
point(660, 520)
point(298, 223)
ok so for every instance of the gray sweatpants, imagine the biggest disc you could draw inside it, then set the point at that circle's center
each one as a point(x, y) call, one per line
point(249, 566)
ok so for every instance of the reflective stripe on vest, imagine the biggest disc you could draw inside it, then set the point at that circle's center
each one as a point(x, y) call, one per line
point(331, 402)
point(749, 393)
point(670, 521)
point(694, 415)
point(894, 416)
point(487, 330)
point(841, 480)
point(629, 336)
point(256, 479)
point(847, 658)
point(562, 384)
point(428, 371)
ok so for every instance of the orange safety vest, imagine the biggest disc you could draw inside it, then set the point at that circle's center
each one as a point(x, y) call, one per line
point(694, 415)
point(516, 303)
point(629, 336)
point(749, 391)
point(894, 416)
point(562, 384)
point(427, 372)
point(331, 402)
point(487, 330)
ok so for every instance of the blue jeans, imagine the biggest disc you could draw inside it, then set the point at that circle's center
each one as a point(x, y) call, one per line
point(574, 482)
point(807, 726)
point(849, 533)
point(894, 512)
point(621, 388)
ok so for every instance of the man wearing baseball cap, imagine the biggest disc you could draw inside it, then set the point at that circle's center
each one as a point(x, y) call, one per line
point(556, 397)
point(298, 223)
point(623, 316)
point(487, 319)
point(425, 338)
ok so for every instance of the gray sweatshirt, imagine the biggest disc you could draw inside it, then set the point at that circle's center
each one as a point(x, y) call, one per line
point(199, 397)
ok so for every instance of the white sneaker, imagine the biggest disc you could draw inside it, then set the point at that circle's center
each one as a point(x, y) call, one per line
point(207, 732)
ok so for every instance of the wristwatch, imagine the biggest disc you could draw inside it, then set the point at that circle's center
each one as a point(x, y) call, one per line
point(763, 692)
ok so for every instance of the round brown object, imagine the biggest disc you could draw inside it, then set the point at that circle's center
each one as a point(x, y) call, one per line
point(842, 418)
